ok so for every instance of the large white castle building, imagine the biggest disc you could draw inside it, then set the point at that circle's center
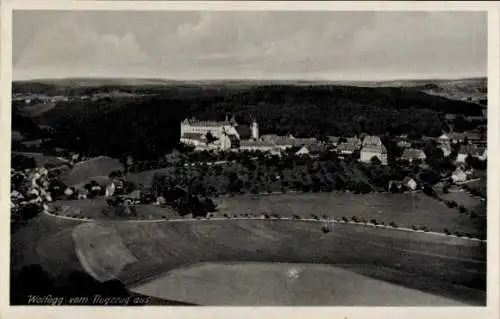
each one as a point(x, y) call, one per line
point(195, 132)
point(216, 128)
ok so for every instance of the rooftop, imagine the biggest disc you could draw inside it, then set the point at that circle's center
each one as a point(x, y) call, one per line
point(195, 122)
point(412, 153)
point(252, 143)
point(370, 140)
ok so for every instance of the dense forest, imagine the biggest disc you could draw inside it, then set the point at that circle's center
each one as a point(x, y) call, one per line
point(142, 128)
point(335, 110)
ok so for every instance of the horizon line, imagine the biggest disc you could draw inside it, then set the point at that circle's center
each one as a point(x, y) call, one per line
point(408, 78)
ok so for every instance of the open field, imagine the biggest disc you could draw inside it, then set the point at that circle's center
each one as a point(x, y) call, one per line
point(281, 284)
point(405, 210)
point(137, 253)
point(465, 199)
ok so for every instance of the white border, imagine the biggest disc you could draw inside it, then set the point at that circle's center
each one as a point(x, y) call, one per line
point(491, 311)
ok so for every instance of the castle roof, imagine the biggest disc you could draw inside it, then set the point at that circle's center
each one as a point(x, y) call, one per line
point(205, 123)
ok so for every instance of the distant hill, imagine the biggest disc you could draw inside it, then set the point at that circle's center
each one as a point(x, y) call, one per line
point(42, 85)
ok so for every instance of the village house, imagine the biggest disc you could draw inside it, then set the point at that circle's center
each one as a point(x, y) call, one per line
point(412, 154)
point(311, 150)
point(410, 183)
point(302, 151)
point(346, 148)
point(459, 176)
point(471, 150)
point(372, 147)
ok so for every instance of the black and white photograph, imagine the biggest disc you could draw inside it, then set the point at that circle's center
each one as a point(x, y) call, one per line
point(248, 158)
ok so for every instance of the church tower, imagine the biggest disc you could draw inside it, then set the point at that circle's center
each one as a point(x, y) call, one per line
point(255, 130)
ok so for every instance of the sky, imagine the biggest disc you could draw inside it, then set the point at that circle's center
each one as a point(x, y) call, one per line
point(190, 45)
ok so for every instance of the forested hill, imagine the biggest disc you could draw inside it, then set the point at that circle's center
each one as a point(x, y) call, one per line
point(334, 110)
point(143, 128)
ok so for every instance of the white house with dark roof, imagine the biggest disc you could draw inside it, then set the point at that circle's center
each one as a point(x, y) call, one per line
point(216, 128)
point(372, 147)
point(410, 183)
point(459, 176)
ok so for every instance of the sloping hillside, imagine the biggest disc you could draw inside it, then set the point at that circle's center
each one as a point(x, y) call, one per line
point(135, 253)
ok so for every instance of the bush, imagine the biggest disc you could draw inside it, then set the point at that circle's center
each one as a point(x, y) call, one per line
point(393, 224)
point(373, 221)
point(446, 231)
point(225, 216)
point(414, 227)
point(451, 204)
point(474, 215)
point(355, 219)
point(345, 219)
point(462, 209)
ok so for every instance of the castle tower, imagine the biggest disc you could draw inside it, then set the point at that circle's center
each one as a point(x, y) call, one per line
point(255, 130)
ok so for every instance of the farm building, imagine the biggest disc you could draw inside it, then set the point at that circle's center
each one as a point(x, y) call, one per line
point(373, 147)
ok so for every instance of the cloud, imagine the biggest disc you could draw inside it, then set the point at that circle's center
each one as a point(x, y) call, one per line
point(67, 44)
point(248, 44)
